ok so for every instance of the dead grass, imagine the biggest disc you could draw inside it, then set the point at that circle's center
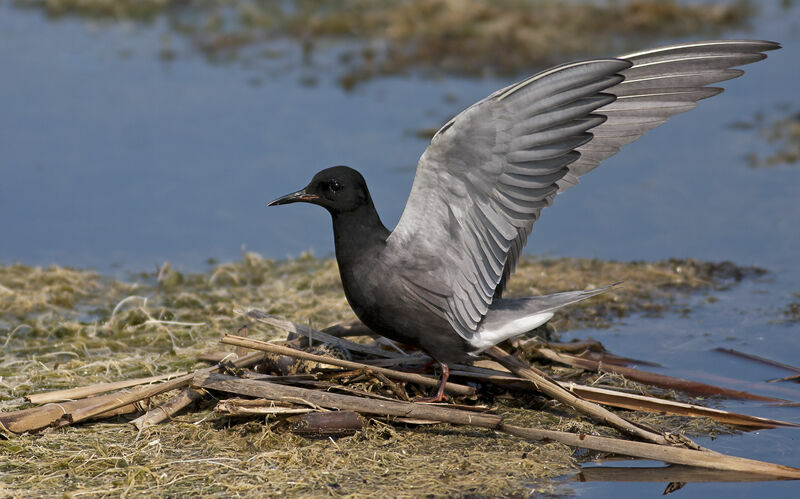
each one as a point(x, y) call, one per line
point(64, 327)
point(250, 459)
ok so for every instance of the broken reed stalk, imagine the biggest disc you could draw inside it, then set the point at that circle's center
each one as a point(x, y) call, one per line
point(635, 402)
point(452, 388)
point(669, 454)
point(318, 336)
point(258, 407)
point(184, 398)
point(794, 377)
point(244, 332)
point(121, 399)
point(756, 358)
point(37, 418)
point(552, 389)
point(352, 328)
point(596, 395)
point(649, 378)
point(326, 424)
point(676, 455)
point(187, 396)
point(91, 390)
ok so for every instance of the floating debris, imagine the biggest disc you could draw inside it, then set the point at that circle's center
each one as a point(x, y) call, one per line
point(782, 135)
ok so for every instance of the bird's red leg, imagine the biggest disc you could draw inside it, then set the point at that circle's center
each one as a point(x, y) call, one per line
point(440, 392)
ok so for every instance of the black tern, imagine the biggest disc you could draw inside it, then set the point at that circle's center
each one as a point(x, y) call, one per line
point(436, 280)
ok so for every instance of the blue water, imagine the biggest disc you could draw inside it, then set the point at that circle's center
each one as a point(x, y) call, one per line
point(109, 155)
point(112, 158)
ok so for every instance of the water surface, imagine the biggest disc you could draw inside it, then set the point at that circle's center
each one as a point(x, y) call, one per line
point(114, 158)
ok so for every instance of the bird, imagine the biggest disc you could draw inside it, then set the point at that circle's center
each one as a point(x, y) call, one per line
point(436, 281)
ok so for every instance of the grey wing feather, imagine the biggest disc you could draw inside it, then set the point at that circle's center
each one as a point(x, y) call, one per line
point(488, 173)
point(662, 83)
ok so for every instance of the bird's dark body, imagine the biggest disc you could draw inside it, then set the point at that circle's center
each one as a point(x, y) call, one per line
point(378, 295)
point(436, 281)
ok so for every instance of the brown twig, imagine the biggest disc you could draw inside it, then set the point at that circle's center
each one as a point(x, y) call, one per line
point(120, 399)
point(318, 336)
point(763, 360)
point(394, 387)
point(610, 358)
point(691, 457)
point(353, 328)
point(243, 332)
point(590, 344)
point(91, 390)
point(794, 377)
point(258, 407)
point(650, 378)
point(165, 411)
point(187, 396)
point(589, 348)
point(37, 418)
point(549, 387)
point(636, 402)
point(326, 424)
point(616, 398)
point(452, 388)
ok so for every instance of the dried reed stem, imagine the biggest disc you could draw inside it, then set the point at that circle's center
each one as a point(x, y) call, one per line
point(453, 388)
point(669, 454)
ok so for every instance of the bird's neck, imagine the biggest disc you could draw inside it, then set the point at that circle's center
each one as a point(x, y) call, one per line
point(357, 233)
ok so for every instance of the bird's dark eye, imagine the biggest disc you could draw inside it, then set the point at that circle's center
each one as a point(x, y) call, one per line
point(334, 185)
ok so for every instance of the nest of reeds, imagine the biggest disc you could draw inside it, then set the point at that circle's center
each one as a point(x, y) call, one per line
point(331, 409)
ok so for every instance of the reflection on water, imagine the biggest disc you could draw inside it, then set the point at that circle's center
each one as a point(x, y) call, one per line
point(121, 158)
point(666, 474)
point(640, 480)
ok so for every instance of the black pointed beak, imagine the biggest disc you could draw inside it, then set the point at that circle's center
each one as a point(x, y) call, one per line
point(294, 197)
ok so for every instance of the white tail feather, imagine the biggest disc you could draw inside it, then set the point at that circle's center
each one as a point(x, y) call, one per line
point(487, 338)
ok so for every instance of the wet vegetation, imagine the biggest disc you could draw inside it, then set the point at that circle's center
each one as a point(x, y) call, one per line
point(471, 37)
point(792, 311)
point(781, 134)
point(63, 327)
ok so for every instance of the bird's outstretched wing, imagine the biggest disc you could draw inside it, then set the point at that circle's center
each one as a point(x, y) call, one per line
point(486, 175)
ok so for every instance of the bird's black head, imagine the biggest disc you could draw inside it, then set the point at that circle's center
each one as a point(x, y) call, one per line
point(338, 189)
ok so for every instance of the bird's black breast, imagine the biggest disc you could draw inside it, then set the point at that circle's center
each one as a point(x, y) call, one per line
point(375, 288)
point(378, 296)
